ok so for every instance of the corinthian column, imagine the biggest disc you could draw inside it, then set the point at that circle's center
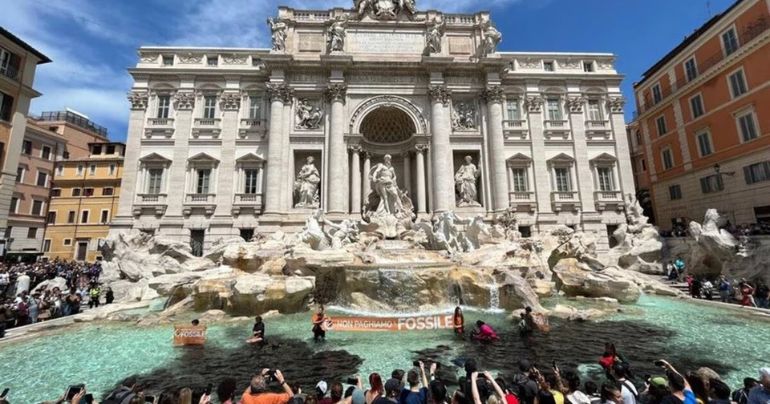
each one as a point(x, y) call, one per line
point(441, 151)
point(337, 154)
point(496, 146)
point(277, 93)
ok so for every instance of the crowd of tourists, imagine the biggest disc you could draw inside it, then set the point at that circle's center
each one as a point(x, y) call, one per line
point(25, 299)
point(738, 231)
point(423, 385)
point(740, 291)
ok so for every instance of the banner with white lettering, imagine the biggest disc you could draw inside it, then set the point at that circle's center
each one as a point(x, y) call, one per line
point(189, 335)
point(419, 323)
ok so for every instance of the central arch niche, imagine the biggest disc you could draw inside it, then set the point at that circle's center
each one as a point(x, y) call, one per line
point(387, 125)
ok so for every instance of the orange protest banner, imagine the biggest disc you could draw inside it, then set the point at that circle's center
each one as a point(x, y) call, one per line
point(420, 323)
point(189, 335)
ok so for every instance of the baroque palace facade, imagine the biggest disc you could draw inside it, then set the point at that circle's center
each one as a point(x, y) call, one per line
point(228, 142)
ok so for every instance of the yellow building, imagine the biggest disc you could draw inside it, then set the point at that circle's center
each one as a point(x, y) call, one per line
point(84, 197)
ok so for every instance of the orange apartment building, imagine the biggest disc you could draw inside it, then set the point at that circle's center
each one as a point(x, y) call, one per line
point(50, 138)
point(18, 63)
point(702, 135)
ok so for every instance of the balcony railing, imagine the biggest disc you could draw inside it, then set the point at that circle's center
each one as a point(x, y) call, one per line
point(248, 199)
point(564, 196)
point(160, 122)
point(608, 196)
point(152, 199)
point(206, 127)
point(10, 71)
point(597, 125)
point(200, 198)
point(514, 124)
point(211, 122)
point(750, 31)
point(555, 124)
point(518, 196)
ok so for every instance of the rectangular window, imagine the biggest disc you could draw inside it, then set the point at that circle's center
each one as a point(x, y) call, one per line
point(20, 175)
point(42, 179)
point(96, 149)
point(668, 159)
point(6, 107)
point(520, 183)
point(32, 232)
point(80, 169)
point(704, 144)
point(255, 107)
point(661, 124)
point(110, 149)
point(51, 218)
point(84, 216)
point(696, 106)
point(588, 67)
point(46, 245)
point(202, 181)
point(711, 183)
point(56, 192)
point(164, 105)
point(108, 191)
point(563, 181)
point(14, 204)
point(88, 192)
point(75, 191)
point(209, 106)
point(59, 170)
point(606, 180)
point(690, 69)
point(112, 169)
point(730, 41)
point(212, 60)
point(168, 60)
point(554, 109)
point(738, 84)
point(26, 147)
point(512, 110)
point(748, 126)
point(155, 176)
point(9, 63)
point(37, 208)
point(250, 184)
point(548, 66)
point(67, 241)
point(92, 169)
point(71, 216)
point(595, 110)
point(674, 192)
point(757, 172)
point(45, 152)
point(657, 95)
point(105, 217)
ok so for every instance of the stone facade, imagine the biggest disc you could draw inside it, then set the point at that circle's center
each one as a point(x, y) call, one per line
point(217, 137)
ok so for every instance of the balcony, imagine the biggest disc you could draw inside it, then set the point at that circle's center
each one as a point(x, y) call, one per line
point(159, 128)
point(556, 130)
point(206, 128)
point(250, 128)
point(154, 202)
point(608, 200)
point(565, 200)
point(516, 129)
point(10, 71)
point(243, 202)
point(522, 201)
point(598, 130)
point(206, 202)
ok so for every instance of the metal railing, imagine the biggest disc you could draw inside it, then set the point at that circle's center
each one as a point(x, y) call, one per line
point(73, 118)
point(750, 31)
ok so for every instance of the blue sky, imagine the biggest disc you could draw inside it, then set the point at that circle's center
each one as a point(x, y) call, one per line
point(93, 42)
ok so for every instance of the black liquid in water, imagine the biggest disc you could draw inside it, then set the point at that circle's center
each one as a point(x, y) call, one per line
point(568, 343)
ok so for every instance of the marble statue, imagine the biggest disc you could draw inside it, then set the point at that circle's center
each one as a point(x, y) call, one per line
point(383, 180)
point(306, 185)
point(434, 35)
point(343, 234)
point(384, 9)
point(308, 115)
point(336, 34)
point(463, 116)
point(465, 182)
point(492, 38)
point(387, 206)
point(278, 34)
point(312, 234)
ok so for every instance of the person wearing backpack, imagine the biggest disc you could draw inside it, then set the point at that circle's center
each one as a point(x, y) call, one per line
point(526, 384)
point(627, 389)
point(123, 394)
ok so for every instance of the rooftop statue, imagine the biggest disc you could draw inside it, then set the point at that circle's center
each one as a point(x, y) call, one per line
point(383, 9)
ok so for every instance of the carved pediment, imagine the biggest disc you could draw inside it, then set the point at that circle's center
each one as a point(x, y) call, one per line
point(202, 159)
point(155, 158)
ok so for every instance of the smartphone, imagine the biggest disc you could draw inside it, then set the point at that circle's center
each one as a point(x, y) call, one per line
point(72, 391)
point(5, 392)
point(87, 399)
point(208, 389)
point(553, 364)
point(659, 363)
point(149, 399)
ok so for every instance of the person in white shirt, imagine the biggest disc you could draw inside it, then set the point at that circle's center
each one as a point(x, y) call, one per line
point(627, 388)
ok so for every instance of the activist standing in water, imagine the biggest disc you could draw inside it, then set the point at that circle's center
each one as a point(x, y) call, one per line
point(459, 322)
point(258, 331)
point(319, 325)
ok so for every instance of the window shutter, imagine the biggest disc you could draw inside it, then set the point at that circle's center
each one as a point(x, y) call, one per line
point(704, 185)
point(766, 164)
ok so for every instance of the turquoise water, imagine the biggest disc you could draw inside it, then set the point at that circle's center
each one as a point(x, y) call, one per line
point(100, 354)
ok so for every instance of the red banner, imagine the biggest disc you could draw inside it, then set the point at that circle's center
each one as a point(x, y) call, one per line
point(421, 323)
point(189, 335)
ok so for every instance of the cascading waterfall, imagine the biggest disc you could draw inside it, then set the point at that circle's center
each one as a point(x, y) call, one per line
point(494, 296)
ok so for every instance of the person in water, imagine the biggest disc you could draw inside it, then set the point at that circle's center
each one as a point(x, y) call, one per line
point(484, 332)
point(258, 332)
point(319, 325)
point(458, 321)
point(527, 323)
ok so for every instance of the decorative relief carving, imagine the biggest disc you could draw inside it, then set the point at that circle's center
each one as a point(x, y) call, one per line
point(493, 94)
point(306, 78)
point(378, 78)
point(529, 63)
point(462, 80)
point(278, 34)
point(230, 101)
point(575, 103)
point(533, 103)
point(190, 58)
point(184, 100)
point(138, 100)
point(440, 94)
point(605, 64)
point(616, 103)
point(336, 34)
point(569, 64)
point(234, 59)
point(384, 9)
point(389, 100)
point(149, 57)
point(309, 114)
point(421, 148)
point(336, 92)
point(464, 115)
point(434, 34)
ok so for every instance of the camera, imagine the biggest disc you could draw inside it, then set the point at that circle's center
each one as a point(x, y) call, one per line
point(659, 363)
point(208, 389)
point(73, 390)
point(270, 376)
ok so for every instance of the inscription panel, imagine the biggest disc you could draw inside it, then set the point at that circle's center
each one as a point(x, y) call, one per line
point(385, 42)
